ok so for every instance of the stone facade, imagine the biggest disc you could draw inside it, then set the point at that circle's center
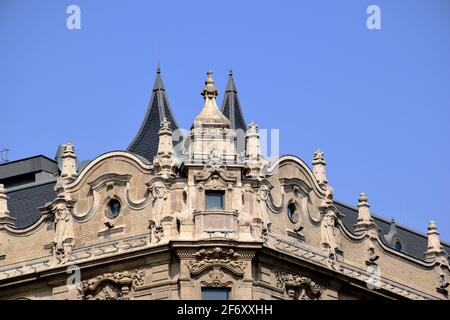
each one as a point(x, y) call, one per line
point(127, 228)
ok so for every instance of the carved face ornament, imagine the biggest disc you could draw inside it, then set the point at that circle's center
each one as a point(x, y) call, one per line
point(330, 218)
point(159, 190)
point(61, 212)
point(263, 193)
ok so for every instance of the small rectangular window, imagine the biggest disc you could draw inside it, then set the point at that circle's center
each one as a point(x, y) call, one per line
point(215, 293)
point(214, 200)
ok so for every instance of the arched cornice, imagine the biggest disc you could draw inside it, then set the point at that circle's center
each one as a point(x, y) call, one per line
point(285, 160)
point(127, 156)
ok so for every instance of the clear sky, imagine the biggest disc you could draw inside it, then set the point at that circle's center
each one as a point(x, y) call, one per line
point(377, 102)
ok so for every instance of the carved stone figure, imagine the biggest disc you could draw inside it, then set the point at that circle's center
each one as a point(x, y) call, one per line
point(63, 239)
point(206, 258)
point(69, 162)
point(328, 234)
point(263, 198)
point(159, 193)
point(443, 282)
point(319, 168)
point(372, 257)
point(215, 156)
point(298, 287)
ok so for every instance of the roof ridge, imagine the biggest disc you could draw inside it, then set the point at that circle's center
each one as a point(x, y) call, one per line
point(27, 158)
point(31, 185)
point(398, 225)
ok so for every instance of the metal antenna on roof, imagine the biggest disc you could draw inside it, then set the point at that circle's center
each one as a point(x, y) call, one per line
point(4, 155)
point(159, 53)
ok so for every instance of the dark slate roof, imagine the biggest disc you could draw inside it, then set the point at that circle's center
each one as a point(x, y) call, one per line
point(231, 107)
point(27, 165)
point(145, 143)
point(23, 202)
point(413, 243)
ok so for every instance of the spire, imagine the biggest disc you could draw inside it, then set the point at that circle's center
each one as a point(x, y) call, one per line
point(158, 81)
point(231, 107)
point(210, 114)
point(145, 143)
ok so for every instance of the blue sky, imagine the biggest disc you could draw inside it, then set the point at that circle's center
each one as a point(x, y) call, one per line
point(377, 102)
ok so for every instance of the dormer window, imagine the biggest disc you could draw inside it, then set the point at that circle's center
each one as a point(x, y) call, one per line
point(214, 200)
point(398, 246)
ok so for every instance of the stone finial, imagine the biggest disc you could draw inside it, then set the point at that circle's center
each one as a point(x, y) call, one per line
point(164, 161)
point(319, 164)
point(253, 158)
point(69, 162)
point(5, 218)
point(165, 125)
point(364, 217)
point(434, 243)
point(363, 208)
point(209, 90)
point(210, 115)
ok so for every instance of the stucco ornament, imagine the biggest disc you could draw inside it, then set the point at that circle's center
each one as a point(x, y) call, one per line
point(216, 278)
point(216, 257)
point(159, 193)
point(111, 286)
point(298, 287)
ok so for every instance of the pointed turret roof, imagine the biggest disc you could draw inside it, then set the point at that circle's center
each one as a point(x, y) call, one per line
point(231, 107)
point(145, 143)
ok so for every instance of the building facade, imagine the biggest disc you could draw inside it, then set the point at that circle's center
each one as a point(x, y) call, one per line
point(200, 217)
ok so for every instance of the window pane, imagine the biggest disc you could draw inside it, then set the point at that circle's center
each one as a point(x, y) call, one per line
point(215, 293)
point(214, 200)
